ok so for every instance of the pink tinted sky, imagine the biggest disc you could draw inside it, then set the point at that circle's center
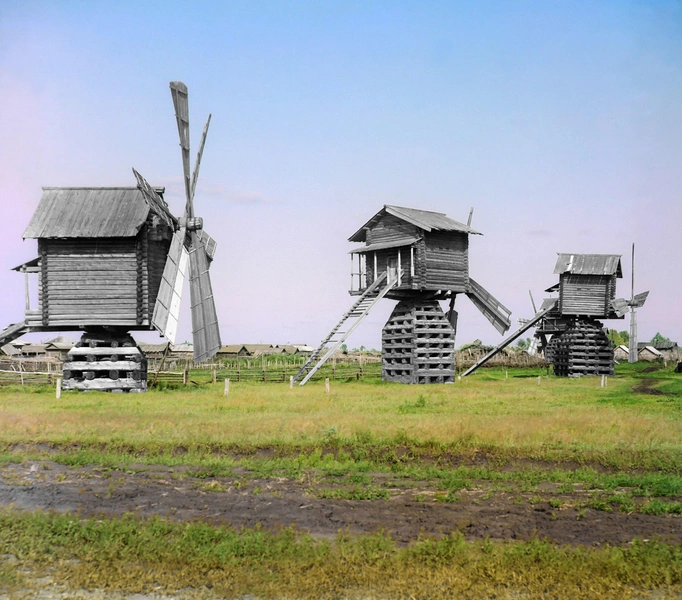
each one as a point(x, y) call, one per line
point(560, 123)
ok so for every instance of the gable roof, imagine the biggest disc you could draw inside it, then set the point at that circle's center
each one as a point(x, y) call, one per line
point(77, 212)
point(650, 349)
point(424, 219)
point(588, 264)
point(232, 349)
point(10, 350)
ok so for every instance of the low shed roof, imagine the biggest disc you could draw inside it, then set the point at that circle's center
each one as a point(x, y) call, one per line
point(88, 213)
point(424, 219)
point(589, 264)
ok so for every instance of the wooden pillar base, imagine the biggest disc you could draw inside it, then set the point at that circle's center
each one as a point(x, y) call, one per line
point(583, 349)
point(105, 361)
point(418, 344)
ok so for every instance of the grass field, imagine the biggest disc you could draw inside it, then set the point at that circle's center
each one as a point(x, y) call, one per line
point(517, 436)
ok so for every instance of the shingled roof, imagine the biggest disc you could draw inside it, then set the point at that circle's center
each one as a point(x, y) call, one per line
point(589, 264)
point(88, 213)
point(424, 219)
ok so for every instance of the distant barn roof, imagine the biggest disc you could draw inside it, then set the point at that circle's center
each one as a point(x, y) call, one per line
point(424, 219)
point(589, 264)
point(88, 213)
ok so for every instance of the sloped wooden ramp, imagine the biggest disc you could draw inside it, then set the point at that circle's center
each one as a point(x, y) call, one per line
point(509, 339)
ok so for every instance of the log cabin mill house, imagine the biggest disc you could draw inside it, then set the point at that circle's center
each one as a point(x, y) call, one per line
point(587, 290)
point(417, 257)
point(566, 328)
point(101, 256)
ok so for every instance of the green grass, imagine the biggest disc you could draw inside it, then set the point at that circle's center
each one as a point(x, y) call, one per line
point(560, 419)
point(499, 431)
point(137, 556)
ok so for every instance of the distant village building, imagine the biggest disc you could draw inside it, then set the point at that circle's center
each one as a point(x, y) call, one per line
point(649, 353)
point(621, 353)
point(59, 347)
point(668, 350)
point(230, 351)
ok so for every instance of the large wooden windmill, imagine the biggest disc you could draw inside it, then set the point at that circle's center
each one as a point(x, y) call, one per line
point(113, 260)
point(417, 257)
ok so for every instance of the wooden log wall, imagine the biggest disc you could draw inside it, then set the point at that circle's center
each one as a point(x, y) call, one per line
point(446, 261)
point(391, 229)
point(587, 295)
point(158, 239)
point(86, 281)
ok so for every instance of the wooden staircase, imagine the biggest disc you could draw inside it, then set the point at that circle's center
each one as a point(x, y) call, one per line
point(357, 313)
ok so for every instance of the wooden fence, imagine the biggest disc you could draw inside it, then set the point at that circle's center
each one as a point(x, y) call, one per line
point(205, 376)
point(253, 371)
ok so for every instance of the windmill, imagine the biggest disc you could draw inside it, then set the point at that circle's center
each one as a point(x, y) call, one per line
point(419, 258)
point(620, 306)
point(573, 339)
point(113, 260)
point(190, 242)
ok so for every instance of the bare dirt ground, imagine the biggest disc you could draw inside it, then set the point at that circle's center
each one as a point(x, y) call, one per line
point(411, 508)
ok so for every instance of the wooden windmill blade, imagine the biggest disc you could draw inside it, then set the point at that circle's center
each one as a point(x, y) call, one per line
point(198, 244)
point(195, 175)
point(620, 306)
point(167, 307)
point(181, 104)
point(639, 299)
point(154, 201)
point(205, 328)
point(493, 310)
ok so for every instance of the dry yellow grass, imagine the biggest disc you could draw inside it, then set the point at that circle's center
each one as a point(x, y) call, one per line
point(496, 413)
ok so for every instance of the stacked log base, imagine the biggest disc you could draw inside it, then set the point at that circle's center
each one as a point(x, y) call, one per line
point(105, 363)
point(418, 344)
point(583, 349)
point(550, 348)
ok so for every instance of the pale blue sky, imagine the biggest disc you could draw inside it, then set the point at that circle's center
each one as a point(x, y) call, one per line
point(559, 122)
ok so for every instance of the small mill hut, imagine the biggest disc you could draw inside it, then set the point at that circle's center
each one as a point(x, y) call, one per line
point(101, 254)
point(587, 290)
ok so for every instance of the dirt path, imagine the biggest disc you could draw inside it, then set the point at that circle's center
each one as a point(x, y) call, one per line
point(409, 510)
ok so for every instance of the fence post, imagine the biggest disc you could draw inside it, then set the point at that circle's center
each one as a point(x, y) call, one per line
point(539, 378)
point(326, 386)
point(214, 376)
point(59, 388)
point(291, 382)
point(226, 391)
point(185, 377)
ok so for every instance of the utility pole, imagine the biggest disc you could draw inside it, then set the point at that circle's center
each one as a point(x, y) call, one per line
point(632, 358)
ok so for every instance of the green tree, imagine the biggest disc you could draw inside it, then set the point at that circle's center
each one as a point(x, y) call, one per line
point(523, 344)
point(615, 338)
point(618, 337)
point(659, 339)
